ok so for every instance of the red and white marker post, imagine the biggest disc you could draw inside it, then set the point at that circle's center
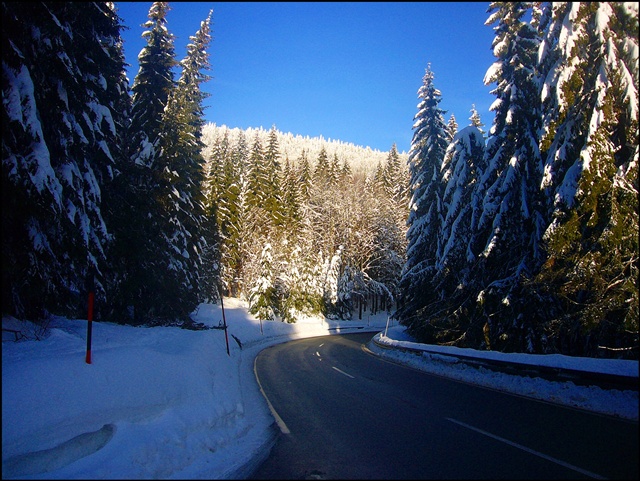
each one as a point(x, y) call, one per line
point(89, 320)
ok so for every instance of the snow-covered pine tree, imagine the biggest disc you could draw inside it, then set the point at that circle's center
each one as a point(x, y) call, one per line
point(144, 248)
point(210, 274)
point(346, 173)
point(215, 189)
point(588, 286)
point(114, 204)
point(330, 286)
point(147, 292)
point(345, 303)
point(378, 180)
point(395, 180)
point(321, 172)
point(334, 170)
point(290, 283)
point(463, 166)
point(241, 154)
point(222, 182)
point(64, 99)
point(475, 119)
point(324, 212)
point(232, 209)
point(428, 148)
point(258, 225)
point(300, 295)
point(388, 225)
point(305, 292)
point(304, 176)
point(509, 215)
point(452, 127)
point(257, 178)
point(152, 85)
point(273, 194)
point(291, 203)
point(262, 294)
point(582, 46)
point(182, 152)
point(386, 253)
point(220, 174)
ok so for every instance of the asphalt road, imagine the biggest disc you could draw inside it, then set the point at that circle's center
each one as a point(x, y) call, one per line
point(347, 414)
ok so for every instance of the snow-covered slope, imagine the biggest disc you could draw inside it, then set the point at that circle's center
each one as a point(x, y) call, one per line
point(170, 403)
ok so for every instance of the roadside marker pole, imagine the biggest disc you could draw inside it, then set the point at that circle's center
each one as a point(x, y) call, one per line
point(89, 327)
point(224, 322)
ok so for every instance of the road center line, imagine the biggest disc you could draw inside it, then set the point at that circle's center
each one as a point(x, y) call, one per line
point(342, 372)
point(530, 451)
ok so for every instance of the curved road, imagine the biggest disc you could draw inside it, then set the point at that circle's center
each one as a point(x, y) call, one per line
point(345, 413)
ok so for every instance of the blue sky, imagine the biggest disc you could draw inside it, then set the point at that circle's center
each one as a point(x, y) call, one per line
point(346, 71)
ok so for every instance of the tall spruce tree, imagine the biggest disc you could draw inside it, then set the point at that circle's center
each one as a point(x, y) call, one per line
point(159, 238)
point(273, 194)
point(334, 170)
point(331, 275)
point(304, 176)
point(428, 146)
point(389, 226)
point(221, 205)
point(321, 172)
point(292, 208)
point(141, 246)
point(378, 177)
point(152, 85)
point(509, 214)
point(588, 286)
point(346, 174)
point(258, 189)
point(233, 212)
point(262, 294)
point(182, 146)
point(452, 127)
point(455, 263)
point(302, 296)
point(475, 119)
point(64, 98)
point(394, 179)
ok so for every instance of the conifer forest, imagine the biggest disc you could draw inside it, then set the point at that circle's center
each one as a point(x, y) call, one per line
point(518, 236)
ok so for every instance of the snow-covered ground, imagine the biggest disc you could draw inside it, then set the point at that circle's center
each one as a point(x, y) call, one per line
point(170, 403)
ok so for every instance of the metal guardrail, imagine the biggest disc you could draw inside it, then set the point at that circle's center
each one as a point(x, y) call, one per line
point(582, 378)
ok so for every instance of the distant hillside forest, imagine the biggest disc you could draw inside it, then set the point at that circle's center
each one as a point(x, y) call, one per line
point(519, 238)
point(306, 226)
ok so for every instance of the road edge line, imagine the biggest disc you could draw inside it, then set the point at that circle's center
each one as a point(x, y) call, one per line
point(281, 424)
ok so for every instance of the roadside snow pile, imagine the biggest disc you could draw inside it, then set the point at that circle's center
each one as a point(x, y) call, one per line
point(159, 402)
point(592, 398)
point(171, 403)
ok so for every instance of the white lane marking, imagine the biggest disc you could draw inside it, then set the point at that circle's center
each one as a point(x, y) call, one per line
point(342, 372)
point(317, 354)
point(283, 427)
point(530, 451)
point(321, 345)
